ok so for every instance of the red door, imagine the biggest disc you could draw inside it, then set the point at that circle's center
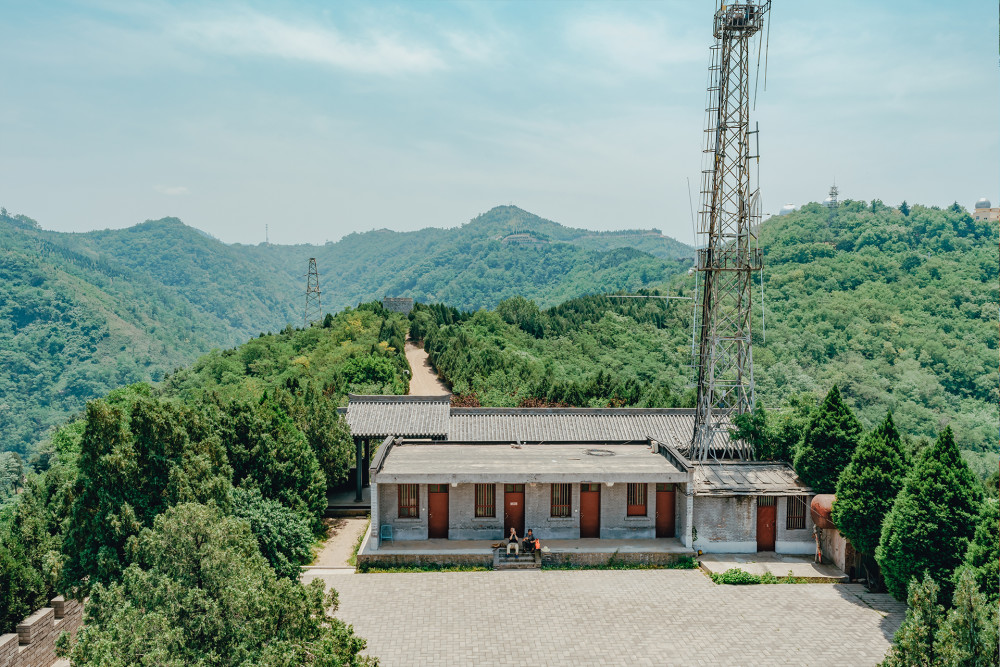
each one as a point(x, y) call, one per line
point(437, 511)
point(665, 514)
point(590, 510)
point(767, 517)
point(513, 509)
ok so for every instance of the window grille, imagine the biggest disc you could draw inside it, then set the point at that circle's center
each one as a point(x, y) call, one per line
point(409, 496)
point(766, 501)
point(562, 498)
point(795, 518)
point(636, 500)
point(486, 500)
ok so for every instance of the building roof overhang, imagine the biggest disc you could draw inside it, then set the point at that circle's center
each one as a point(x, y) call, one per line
point(748, 478)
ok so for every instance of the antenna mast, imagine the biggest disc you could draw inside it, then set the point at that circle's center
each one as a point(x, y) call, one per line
point(729, 218)
point(314, 309)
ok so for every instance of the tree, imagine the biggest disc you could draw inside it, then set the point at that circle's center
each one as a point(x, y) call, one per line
point(867, 488)
point(135, 460)
point(932, 519)
point(283, 536)
point(752, 428)
point(913, 643)
point(327, 433)
point(827, 443)
point(984, 551)
point(968, 636)
point(904, 208)
point(201, 593)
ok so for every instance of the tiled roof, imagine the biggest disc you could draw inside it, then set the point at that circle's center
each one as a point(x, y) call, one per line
point(752, 478)
point(412, 416)
point(669, 426)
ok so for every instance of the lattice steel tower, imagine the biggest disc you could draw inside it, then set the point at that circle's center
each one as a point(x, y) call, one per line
point(729, 217)
point(314, 308)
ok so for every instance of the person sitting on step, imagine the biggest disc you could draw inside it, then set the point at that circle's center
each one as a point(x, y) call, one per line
point(529, 542)
point(512, 543)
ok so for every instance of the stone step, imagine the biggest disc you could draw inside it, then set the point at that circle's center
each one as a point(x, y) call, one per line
point(501, 561)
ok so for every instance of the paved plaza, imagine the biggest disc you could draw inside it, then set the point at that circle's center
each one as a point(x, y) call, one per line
point(612, 617)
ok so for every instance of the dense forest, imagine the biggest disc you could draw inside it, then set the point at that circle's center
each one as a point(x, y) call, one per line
point(201, 498)
point(897, 310)
point(82, 314)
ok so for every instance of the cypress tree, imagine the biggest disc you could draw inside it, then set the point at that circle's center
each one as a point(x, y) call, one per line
point(968, 636)
point(913, 643)
point(826, 446)
point(984, 551)
point(932, 519)
point(867, 488)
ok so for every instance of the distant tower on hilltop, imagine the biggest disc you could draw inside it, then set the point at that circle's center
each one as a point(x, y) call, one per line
point(314, 308)
point(831, 201)
point(984, 211)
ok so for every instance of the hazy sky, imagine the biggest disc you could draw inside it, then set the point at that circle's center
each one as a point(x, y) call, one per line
point(321, 118)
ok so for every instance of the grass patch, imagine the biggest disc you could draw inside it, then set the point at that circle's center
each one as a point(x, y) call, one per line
point(365, 568)
point(615, 563)
point(353, 560)
point(734, 576)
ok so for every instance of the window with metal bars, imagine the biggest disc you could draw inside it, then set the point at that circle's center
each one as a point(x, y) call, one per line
point(636, 500)
point(562, 500)
point(795, 516)
point(486, 500)
point(409, 499)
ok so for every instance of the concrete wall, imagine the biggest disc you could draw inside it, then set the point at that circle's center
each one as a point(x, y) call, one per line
point(615, 525)
point(35, 641)
point(462, 521)
point(798, 541)
point(388, 510)
point(725, 524)
point(538, 508)
point(682, 498)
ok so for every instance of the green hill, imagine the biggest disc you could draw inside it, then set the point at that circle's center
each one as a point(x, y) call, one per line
point(82, 314)
point(899, 310)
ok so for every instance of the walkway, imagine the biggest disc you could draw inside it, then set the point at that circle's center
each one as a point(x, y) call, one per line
point(608, 617)
point(780, 565)
point(339, 546)
point(425, 381)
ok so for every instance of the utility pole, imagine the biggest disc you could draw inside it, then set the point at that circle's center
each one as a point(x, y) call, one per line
point(729, 219)
point(314, 308)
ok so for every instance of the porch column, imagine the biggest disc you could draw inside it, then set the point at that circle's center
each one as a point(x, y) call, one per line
point(689, 514)
point(376, 519)
point(368, 462)
point(359, 477)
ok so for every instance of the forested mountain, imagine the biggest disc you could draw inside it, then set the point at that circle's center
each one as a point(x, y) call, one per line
point(897, 309)
point(82, 314)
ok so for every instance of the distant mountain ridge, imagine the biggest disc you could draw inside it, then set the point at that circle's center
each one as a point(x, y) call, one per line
point(81, 314)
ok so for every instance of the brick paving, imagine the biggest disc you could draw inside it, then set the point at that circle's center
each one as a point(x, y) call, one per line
point(608, 617)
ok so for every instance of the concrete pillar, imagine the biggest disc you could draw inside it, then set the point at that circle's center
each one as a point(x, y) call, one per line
point(360, 476)
point(376, 518)
point(689, 514)
point(367, 461)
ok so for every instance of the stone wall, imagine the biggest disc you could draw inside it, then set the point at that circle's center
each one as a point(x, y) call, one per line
point(34, 643)
point(725, 524)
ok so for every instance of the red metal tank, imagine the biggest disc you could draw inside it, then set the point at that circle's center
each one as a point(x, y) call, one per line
point(821, 510)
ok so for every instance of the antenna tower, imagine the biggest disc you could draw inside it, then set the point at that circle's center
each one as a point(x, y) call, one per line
point(729, 218)
point(833, 196)
point(314, 308)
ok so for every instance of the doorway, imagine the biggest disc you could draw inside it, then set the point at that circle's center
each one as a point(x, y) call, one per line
point(767, 519)
point(513, 509)
point(437, 511)
point(666, 502)
point(590, 510)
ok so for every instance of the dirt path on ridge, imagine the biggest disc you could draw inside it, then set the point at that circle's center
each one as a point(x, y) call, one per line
point(425, 381)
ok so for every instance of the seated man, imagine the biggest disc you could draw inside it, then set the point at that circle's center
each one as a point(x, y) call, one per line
point(529, 542)
point(512, 543)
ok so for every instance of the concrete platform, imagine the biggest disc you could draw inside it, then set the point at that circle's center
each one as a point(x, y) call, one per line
point(342, 503)
point(780, 565)
point(585, 552)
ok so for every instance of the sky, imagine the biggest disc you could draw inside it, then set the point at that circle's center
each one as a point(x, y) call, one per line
point(319, 119)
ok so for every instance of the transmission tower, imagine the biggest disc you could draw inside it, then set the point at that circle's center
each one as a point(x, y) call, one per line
point(314, 308)
point(729, 217)
point(834, 193)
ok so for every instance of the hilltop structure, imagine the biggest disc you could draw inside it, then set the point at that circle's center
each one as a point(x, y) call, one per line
point(985, 212)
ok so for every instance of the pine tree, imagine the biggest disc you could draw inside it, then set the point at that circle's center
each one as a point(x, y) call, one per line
point(968, 636)
point(984, 551)
point(867, 488)
point(913, 644)
point(827, 444)
point(932, 519)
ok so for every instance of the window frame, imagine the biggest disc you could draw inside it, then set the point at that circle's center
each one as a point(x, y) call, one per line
point(481, 494)
point(636, 491)
point(561, 492)
point(799, 502)
point(408, 492)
